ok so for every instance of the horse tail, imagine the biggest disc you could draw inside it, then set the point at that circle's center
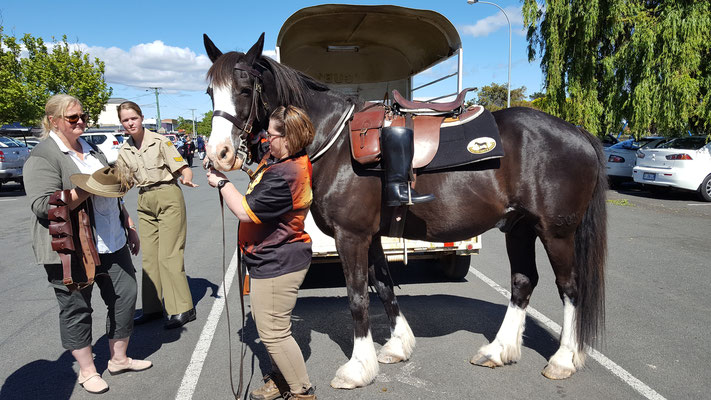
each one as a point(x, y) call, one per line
point(590, 255)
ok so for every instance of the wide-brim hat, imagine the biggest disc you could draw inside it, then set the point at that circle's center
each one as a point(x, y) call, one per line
point(103, 182)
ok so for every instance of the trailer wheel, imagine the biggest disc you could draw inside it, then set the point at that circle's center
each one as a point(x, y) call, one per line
point(455, 267)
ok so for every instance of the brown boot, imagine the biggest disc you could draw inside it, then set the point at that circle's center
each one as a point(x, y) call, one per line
point(309, 395)
point(273, 387)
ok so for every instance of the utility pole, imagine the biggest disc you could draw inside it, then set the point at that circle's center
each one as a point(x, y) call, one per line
point(194, 131)
point(158, 121)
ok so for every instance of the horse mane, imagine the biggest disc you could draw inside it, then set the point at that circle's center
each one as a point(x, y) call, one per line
point(292, 86)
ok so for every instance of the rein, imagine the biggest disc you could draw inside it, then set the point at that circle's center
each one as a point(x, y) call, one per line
point(236, 393)
point(333, 135)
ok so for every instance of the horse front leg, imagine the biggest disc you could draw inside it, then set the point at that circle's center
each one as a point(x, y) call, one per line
point(362, 368)
point(402, 342)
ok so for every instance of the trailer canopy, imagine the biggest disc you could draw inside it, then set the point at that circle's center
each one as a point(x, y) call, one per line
point(350, 45)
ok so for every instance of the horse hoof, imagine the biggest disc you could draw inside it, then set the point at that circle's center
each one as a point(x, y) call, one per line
point(340, 383)
point(483, 360)
point(556, 372)
point(389, 359)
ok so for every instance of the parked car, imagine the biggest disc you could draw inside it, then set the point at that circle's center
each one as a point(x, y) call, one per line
point(683, 163)
point(622, 156)
point(13, 155)
point(106, 142)
point(608, 140)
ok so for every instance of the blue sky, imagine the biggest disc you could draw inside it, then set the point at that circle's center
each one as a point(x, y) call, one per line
point(159, 43)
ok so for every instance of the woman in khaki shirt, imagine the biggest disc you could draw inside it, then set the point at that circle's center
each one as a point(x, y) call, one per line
point(151, 162)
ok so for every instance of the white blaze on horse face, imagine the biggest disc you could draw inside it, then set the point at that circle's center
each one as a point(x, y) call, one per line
point(220, 148)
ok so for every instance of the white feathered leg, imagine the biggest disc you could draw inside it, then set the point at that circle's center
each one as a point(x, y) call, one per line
point(567, 359)
point(401, 343)
point(361, 369)
point(506, 347)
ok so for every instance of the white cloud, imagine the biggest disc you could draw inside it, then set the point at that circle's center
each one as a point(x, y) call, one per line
point(153, 65)
point(485, 26)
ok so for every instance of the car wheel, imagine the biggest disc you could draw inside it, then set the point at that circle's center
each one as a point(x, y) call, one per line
point(455, 267)
point(705, 189)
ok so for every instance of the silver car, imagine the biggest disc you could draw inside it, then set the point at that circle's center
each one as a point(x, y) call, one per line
point(13, 155)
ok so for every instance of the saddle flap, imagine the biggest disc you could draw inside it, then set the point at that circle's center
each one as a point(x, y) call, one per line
point(426, 128)
point(365, 133)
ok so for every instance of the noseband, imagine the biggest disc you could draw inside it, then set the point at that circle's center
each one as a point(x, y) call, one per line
point(246, 127)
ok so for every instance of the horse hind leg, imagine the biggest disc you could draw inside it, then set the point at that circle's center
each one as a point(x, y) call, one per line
point(362, 367)
point(506, 346)
point(402, 341)
point(569, 357)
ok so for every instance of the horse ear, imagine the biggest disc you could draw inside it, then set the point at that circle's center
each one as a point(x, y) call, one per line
point(212, 51)
point(255, 51)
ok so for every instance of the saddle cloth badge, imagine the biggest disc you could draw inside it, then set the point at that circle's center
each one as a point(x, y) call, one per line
point(365, 134)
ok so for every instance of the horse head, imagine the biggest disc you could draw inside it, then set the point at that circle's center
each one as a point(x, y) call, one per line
point(235, 84)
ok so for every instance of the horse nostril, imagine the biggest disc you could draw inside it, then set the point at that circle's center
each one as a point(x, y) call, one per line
point(224, 152)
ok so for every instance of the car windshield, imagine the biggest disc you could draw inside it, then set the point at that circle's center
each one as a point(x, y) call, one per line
point(685, 143)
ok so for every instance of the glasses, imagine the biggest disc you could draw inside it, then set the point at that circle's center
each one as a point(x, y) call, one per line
point(73, 119)
point(270, 135)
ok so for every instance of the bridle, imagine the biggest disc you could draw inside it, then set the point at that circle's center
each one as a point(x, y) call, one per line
point(246, 126)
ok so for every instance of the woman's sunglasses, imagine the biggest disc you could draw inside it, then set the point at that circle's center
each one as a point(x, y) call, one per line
point(73, 119)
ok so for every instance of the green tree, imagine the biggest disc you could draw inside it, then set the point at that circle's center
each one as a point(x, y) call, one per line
point(646, 61)
point(204, 127)
point(186, 125)
point(494, 97)
point(27, 82)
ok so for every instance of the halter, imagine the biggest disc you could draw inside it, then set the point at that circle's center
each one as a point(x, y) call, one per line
point(246, 127)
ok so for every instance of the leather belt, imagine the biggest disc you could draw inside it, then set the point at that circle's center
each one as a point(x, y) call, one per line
point(156, 186)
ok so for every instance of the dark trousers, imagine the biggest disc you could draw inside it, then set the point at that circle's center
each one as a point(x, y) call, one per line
point(116, 279)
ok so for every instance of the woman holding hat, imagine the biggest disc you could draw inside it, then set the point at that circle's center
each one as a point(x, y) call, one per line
point(48, 169)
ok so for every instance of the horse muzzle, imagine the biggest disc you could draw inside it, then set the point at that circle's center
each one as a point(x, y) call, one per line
point(223, 156)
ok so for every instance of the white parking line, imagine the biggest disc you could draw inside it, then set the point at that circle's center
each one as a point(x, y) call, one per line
point(620, 372)
point(8, 199)
point(192, 372)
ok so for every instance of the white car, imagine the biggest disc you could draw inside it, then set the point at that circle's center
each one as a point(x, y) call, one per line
point(106, 142)
point(683, 163)
point(621, 157)
point(13, 155)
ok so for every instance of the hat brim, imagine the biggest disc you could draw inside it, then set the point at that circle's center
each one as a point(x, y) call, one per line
point(82, 181)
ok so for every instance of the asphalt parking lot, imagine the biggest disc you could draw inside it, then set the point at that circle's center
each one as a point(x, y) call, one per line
point(654, 346)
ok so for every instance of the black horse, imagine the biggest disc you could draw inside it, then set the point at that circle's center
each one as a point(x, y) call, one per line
point(550, 185)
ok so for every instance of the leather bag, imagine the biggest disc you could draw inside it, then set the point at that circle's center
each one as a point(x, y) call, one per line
point(73, 238)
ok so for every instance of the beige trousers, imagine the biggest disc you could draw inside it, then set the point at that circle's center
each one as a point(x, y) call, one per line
point(272, 301)
point(162, 226)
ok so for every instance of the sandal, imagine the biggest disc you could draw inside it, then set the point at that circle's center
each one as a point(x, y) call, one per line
point(93, 383)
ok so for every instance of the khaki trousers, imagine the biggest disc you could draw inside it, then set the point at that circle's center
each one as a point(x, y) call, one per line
point(272, 301)
point(162, 226)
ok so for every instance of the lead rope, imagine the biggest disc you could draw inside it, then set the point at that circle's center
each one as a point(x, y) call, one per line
point(237, 394)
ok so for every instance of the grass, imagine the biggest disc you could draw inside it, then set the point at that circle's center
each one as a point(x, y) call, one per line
point(621, 202)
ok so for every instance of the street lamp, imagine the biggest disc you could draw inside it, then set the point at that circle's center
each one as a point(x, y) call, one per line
point(508, 100)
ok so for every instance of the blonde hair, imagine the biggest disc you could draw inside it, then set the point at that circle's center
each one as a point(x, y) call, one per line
point(56, 107)
point(295, 125)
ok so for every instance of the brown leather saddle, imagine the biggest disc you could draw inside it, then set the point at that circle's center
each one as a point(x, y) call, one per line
point(73, 238)
point(425, 118)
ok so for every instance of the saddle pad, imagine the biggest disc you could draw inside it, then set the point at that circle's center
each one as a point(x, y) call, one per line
point(472, 137)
